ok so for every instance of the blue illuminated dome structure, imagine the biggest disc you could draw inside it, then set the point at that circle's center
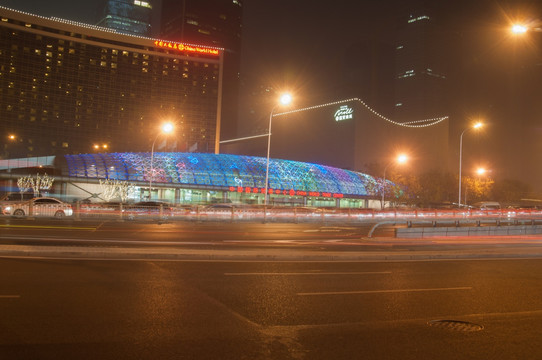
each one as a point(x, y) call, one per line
point(225, 177)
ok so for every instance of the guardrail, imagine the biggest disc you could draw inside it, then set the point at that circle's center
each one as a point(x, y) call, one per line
point(295, 214)
point(464, 227)
point(122, 211)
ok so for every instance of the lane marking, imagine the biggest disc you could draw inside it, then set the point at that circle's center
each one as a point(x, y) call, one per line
point(309, 273)
point(382, 291)
point(46, 227)
point(10, 296)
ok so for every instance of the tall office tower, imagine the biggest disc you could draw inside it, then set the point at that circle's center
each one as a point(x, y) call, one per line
point(420, 81)
point(213, 23)
point(420, 74)
point(127, 16)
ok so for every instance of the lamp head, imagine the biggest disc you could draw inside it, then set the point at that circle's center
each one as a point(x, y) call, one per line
point(167, 128)
point(285, 99)
point(519, 29)
point(401, 159)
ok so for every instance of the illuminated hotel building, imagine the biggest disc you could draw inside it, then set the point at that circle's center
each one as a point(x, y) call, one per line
point(127, 16)
point(65, 87)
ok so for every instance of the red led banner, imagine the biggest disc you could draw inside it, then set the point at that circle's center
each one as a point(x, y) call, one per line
point(251, 190)
point(186, 48)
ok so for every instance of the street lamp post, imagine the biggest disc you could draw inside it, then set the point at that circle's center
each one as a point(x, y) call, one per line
point(285, 99)
point(166, 129)
point(475, 126)
point(401, 159)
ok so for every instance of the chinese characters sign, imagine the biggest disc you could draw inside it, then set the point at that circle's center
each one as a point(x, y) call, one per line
point(186, 48)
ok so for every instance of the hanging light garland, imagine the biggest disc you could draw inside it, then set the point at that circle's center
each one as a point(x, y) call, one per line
point(410, 124)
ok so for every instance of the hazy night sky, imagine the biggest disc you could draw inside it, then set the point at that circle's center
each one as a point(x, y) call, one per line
point(302, 43)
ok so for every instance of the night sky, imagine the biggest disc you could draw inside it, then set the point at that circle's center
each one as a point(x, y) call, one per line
point(302, 43)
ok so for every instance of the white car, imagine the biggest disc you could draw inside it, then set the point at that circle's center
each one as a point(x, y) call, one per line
point(42, 206)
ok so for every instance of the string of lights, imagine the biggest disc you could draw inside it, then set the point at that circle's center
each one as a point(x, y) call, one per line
point(410, 124)
point(95, 27)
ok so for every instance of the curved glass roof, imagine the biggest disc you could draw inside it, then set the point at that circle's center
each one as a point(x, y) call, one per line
point(220, 171)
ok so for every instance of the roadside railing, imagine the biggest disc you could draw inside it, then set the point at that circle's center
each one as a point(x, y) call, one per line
point(120, 211)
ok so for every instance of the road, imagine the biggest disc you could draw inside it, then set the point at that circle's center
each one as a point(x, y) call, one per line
point(242, 241)
point(102, 309)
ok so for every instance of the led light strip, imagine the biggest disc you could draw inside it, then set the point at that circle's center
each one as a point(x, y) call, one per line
point(410, 124)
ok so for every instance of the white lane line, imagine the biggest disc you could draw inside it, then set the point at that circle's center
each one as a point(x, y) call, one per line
point(383, 291)
point(10, 296)
point(308, 273)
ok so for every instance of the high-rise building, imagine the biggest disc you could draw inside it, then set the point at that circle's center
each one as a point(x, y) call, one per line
point(127, 16)
point(420, 81)
point(66, 86)
point(213, 23)
point(420, 70)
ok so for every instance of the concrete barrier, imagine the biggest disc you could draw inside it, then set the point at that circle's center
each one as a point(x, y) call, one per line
point(421, 232)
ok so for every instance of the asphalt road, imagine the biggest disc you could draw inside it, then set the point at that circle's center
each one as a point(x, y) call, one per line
point(102, 309)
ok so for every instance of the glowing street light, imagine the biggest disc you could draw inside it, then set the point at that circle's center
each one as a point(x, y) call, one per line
point(401, 159)
point(519, 29)
point(98, 146)
point(480, 171)
point(165, 129)
point(477, 125)
point(11, 137)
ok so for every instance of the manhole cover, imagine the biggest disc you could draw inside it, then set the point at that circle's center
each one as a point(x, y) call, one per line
point(455, 325)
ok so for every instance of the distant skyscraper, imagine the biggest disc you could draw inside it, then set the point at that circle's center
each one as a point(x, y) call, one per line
point(127, 16)
point(420, 82)
point(420, 75)
point(213, 23)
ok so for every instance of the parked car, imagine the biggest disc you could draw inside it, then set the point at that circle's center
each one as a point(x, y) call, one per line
point(41, 206)
point(149, 209)
point(487, 205)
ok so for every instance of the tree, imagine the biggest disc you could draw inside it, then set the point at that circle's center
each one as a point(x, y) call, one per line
point(25, 183)
point(477, 189)
point(436, 188)
point(510, 191)
point(114, 188)
point(36, 184)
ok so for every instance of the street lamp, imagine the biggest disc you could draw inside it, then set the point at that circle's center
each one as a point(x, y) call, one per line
point(401, 159)
point(285, 99)
point(475, 126)
point(166, 129)
point(519, 29)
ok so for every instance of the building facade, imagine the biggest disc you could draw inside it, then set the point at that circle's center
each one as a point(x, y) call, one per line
point(127, 16)
point(196, 178)
point(65, 87)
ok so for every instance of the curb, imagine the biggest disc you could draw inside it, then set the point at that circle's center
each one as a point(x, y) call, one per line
point(66, 252)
